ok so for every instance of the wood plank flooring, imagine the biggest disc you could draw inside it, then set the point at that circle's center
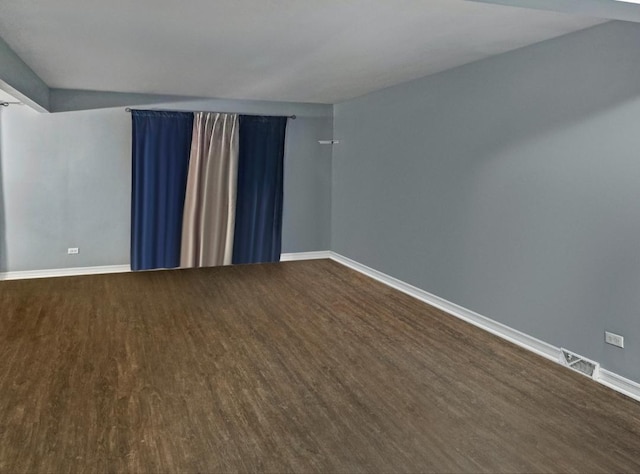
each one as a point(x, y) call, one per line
point(293, 367)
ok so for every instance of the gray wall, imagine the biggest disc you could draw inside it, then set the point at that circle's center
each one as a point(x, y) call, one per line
point(510, 186)
point(66, 180)
point(3, 246)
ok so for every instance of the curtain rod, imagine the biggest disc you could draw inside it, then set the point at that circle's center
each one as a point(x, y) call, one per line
point(7, 104)
point(292, 117)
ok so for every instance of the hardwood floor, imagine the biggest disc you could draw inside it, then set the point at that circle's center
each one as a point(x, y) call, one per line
point(300, 366)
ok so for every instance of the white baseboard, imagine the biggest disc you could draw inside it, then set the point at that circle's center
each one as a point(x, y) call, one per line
point(292, 257)
point(605, 377)
point(60, 272)
point(619, 383)
point(76, 271)
point(494, 327)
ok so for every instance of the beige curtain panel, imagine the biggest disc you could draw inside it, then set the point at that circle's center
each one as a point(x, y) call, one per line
point(210, 202)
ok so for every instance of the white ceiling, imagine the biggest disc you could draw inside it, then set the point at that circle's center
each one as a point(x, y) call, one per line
point(627, 10)
point(321, 51)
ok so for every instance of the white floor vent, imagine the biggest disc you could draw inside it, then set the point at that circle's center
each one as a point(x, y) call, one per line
point(580, 364)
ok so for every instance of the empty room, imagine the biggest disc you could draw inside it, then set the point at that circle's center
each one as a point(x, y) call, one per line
point(337, 236)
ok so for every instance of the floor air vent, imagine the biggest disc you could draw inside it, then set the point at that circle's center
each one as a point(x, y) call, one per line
point(580, 364)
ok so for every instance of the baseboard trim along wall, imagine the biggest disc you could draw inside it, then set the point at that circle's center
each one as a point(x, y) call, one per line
point(614, 381)
point(60, 272)
point(77, 271)
point(619, 383)
point(610, 379)
point(292, 257)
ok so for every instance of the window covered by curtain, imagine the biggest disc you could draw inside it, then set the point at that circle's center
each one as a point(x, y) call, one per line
point(210, 205)
point(161, 145)
point(258, 233)
point(207, 190)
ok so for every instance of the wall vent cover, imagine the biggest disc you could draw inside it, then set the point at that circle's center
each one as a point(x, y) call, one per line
point(580, 364)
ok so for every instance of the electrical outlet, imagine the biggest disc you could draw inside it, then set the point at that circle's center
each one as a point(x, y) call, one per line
point(614, 339)
point(72, 251)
